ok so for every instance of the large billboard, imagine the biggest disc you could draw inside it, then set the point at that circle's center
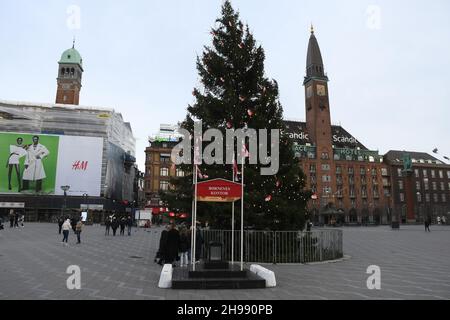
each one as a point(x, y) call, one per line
point(42, 163)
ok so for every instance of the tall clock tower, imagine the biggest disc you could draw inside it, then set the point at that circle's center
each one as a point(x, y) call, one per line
point(318, 120)
point(70, 72)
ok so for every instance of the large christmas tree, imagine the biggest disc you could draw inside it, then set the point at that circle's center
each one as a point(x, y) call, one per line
point(235, 94)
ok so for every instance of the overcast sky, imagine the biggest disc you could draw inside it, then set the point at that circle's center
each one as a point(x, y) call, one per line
point(388, 61)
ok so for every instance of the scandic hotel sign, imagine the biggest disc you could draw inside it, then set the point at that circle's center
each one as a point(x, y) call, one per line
point(218, 190)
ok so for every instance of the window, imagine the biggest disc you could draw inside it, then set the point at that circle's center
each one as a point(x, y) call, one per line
point(417, 185)
point(326, 178)
point(312, 168)
point(338, 170)
point(425, 184)
point(400, 185)
point(433, 174)
point(402, 197)
point(149, 157)
point(416, 172)
point(353, 202)
point(164, 158)
point(179, 173)
point(149, 171)
point(385, 182)
point(448, 174)
point(442, 186)
point(164, 172)
point(325, 167)
point(352, 193)
point(427, 197)
point(419, 197)
point(362, 171)
point(350, 170)
point(435, 197)
point(327, 190)
point(164, 185)
point(374, 171)
point(313, 179)
point(449, 186)
point(399, 172)
point(339, 180)
point(434, 184)
point(441, 174)
point(425, 174)
point(325, 155)
point(444, 197)
point(384, 172)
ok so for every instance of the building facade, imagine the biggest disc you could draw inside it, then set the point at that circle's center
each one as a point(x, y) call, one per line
point(425, 190)
point(88, 150)
point(158, 166)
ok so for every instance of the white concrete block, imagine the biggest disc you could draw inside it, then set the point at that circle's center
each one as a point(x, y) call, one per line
point(264, 273)
point(165, 280)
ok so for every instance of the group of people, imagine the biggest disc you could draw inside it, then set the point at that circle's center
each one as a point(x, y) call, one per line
point(113, 222)
point(70, 223)
point(175, 245)
point(15, 219)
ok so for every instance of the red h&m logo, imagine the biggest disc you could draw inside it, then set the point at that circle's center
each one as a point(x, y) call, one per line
point(80, 165)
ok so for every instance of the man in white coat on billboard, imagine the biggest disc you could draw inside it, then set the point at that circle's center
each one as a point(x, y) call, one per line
point(34, 169)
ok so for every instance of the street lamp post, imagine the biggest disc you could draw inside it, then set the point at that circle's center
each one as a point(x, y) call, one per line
point(65, 189)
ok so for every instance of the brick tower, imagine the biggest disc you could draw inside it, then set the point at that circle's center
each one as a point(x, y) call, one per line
point(70, 72)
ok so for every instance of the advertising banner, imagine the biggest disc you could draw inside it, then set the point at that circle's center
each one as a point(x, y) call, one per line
point(41, 164)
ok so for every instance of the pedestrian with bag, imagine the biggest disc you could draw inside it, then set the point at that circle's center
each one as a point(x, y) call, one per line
point(79, 228)
point(66, 227)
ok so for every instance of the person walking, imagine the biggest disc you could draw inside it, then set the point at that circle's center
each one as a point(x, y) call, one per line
point(66, 227)
point(114, 225)
point(129, 224)
point(161, 254)
point(122, 226)
point(79, 228)
point(11, 218)
point(427, 224)
point(107, 225)
point(60, 223)
point(185, 245)
point(22, 220)
point(73, 223)
point(173, 245)
point(16, 220)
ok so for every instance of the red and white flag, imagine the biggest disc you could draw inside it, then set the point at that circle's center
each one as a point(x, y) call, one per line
point(200, 174)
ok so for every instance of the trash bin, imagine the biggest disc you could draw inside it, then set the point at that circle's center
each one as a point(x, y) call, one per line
point(395, 225)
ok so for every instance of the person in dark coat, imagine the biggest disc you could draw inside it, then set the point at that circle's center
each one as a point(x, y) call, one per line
point(185, 246)
point(73, 223)
point(198, 244)
point(173, 245)
point(60, 223)
point(114, 225)
point(11, 218)
point(16, 220)
point(123, 222)
point(107, 225)
point(160, 255)
point(129, 224)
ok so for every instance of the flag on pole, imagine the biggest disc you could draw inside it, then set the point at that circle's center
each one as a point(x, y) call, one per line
point(200, 174)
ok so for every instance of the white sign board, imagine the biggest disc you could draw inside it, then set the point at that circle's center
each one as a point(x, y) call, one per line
point(84, 216)
point(12, 205)
point(79, 165)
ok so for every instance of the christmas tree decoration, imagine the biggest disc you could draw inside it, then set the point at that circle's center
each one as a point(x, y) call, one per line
point(233, 73)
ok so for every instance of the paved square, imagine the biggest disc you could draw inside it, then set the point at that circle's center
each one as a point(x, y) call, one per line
point(33, 264)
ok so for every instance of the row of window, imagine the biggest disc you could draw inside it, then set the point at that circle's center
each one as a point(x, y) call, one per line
point(327, 191)
point(350, 170)
point(427, 197)
point(426, 185)
point(432, 172)
point(164, 172)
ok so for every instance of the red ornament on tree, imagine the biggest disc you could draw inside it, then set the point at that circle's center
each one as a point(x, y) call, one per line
point(268, 198)
point(229, 125)
point(222, 79)
point(278, 183)
point(250, 113)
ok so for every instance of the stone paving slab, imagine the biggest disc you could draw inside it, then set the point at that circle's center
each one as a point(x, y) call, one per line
point(33, 262)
